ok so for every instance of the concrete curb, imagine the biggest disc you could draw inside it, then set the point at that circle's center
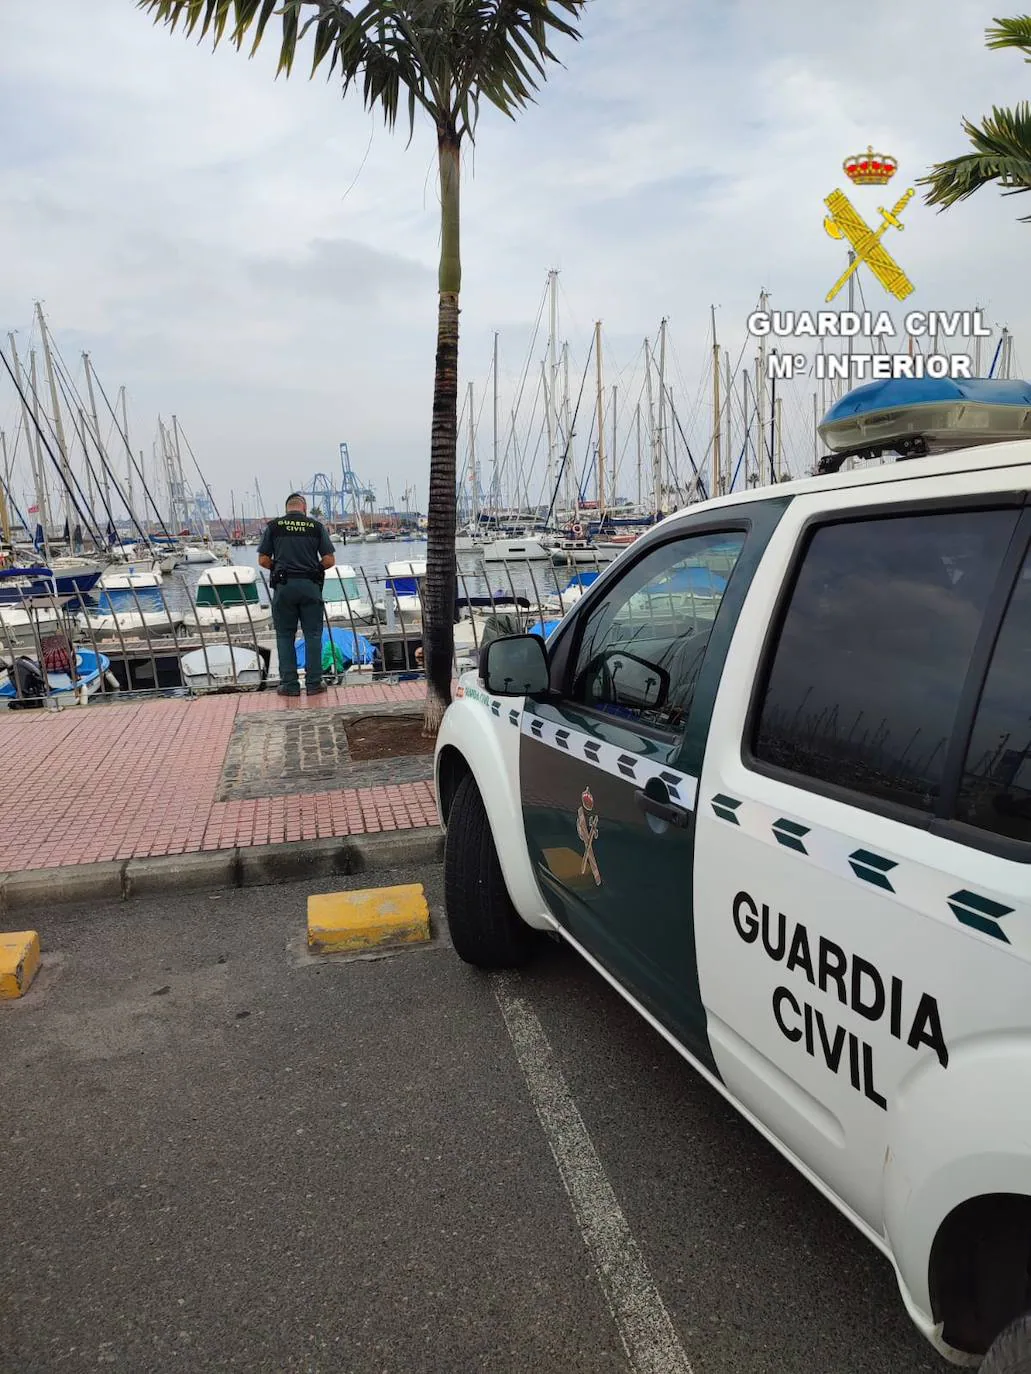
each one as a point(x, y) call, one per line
point(36, 890)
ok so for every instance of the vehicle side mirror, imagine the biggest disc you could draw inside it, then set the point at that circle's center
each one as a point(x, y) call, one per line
point(515, 666)
point(634, 682)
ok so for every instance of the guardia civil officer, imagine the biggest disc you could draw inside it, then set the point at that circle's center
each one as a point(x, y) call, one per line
point(298, 550)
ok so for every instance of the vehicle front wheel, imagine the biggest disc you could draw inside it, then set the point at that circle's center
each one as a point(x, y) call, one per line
point(485, 928)
point(1011, 1350)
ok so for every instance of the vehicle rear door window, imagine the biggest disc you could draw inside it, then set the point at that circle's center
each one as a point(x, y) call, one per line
point(995, 789)
point(874, 650)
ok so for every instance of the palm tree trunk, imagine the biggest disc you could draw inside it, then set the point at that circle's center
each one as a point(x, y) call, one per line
point(441, 585)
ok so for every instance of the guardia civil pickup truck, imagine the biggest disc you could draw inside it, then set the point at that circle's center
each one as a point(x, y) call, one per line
point(771, 777)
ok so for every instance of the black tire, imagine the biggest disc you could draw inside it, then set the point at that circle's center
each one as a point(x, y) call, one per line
point(1011, 1350)
point(485, 928)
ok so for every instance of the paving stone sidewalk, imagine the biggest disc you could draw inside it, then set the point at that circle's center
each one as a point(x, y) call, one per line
point(138, 779)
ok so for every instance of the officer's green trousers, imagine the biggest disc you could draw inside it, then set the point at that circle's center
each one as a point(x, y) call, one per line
point(298, 602)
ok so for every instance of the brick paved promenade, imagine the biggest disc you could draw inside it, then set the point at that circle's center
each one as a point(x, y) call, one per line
point(136, 779)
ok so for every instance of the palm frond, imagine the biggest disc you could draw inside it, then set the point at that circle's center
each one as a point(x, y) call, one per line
point(1011, 33)
point(441, 55)
point(213, 17)
point(1001, 153)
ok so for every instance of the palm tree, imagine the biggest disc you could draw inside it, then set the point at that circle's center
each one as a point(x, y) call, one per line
point(442, 57)
point(1001, 142)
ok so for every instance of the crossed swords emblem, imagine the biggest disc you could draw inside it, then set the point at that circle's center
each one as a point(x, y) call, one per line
point(587, 829)
point(844, 221)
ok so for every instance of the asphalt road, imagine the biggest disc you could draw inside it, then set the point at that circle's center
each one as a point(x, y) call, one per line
point(222, 1154)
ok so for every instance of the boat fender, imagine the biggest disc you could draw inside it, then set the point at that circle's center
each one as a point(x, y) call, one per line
point(112, 682)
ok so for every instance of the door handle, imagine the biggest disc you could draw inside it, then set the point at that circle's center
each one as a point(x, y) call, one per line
point(663, 810)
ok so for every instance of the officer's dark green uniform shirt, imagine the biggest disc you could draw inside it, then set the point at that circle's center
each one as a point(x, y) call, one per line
point(296, 544)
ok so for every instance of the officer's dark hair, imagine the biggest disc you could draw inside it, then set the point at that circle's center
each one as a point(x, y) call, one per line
point(296, 496)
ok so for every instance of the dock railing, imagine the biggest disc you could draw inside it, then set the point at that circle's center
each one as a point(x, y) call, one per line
point(144, 640)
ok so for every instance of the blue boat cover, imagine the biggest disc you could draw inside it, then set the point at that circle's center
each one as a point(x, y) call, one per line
point(895, 392)
point(404, 586)
point(355, 649)
point(699, 580)
point(583, 579)
point(544, 628)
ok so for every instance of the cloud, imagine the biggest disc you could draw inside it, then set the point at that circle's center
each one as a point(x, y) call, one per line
point(259, 256)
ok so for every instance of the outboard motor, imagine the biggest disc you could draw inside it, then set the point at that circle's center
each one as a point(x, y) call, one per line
point(29, 683)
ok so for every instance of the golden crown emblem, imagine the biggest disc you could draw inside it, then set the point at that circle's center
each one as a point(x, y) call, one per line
point(870, 168)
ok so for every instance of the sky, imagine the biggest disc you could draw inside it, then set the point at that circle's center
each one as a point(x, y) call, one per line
point(258, 256)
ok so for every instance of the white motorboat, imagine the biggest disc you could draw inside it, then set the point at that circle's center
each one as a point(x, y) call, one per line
point(229, 596)
point(124, 618)
point(579, 552)
point(520, 550)
point(20, 625)
point(218, 666)
point(345, 597)
point(125, 577)
point(198, 553)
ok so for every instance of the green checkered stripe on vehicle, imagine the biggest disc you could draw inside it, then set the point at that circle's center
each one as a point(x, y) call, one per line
point(971, 909)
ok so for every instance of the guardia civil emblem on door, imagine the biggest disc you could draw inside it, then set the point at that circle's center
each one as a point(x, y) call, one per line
point(587, 829)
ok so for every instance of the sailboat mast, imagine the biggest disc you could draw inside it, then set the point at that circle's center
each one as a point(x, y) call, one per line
point(716, 464)
point(745, 429)
point(46, 515)
point(549, 416)
point(32, 439)
point(5, 519)
point(128, 450)
point(728, 394)
point(816, 433)
point(62, 445)
point(650, 401)
point(181, 479)
point(572, 493)
point(474, 478)
point(552, 390)
point(96, 429)
point(660, 446)
point(601, 418)
point(494, 477)
point(637, 423)
point(612, 469)
point(760, 398)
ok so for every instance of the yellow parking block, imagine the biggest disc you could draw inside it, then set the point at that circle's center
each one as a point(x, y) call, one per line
point(347, 921)
point(19, 960)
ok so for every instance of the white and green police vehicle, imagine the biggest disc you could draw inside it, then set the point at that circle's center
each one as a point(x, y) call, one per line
point(771, 777)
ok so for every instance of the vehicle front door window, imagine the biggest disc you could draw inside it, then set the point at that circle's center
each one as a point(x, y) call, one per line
point(643, 644)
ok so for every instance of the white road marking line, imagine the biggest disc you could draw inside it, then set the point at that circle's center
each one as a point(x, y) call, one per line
point(649, 1338)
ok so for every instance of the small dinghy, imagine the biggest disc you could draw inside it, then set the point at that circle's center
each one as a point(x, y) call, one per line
point(60, 687)
point(219, 667)
point(935, 413)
